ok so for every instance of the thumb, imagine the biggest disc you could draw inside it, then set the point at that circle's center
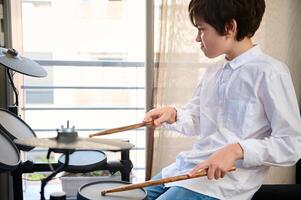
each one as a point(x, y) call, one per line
point(157, 122)
point(198, 168)
point(160, 120)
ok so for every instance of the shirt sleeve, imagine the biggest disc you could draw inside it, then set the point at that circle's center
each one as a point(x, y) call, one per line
point(188, 117)
point(282, 147)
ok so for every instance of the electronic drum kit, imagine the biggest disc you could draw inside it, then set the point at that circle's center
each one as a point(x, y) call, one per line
point(75, 157)
point(78, 154)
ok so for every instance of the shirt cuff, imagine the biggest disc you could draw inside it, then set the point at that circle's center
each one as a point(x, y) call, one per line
point(252, 153)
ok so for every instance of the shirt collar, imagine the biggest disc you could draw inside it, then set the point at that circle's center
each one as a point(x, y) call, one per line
point(244, 57)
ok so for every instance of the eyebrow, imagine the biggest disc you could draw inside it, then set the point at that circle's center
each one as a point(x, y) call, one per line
point(200, 23)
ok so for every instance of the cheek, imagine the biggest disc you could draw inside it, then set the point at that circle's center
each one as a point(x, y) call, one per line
point(208, 40)
point(216, 43)
point(214, 47)
point(209, 43)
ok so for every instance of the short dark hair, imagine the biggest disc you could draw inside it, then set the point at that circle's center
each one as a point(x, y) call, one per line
point(218, 13)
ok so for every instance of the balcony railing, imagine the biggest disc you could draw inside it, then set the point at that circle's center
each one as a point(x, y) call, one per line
point(100, 64)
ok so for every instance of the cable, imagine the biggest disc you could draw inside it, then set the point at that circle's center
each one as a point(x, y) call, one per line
point(14, 88)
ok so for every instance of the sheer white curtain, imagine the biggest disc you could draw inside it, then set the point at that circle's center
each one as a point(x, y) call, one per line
point(181, 65)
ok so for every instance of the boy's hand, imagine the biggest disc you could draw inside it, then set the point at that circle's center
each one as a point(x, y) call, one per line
point(220, 162)
point(161, 115)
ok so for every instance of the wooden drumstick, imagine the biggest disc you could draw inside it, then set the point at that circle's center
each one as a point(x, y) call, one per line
point(157, 182)
point(120, 129)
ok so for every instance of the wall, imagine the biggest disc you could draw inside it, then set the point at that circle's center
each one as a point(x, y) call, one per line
point(280, 34)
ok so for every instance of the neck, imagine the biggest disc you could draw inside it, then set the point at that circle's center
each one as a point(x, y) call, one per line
point(239, 47)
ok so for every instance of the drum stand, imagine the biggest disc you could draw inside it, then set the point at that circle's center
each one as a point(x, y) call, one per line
point(124, 166)
point(56, 171)
point(11, 60)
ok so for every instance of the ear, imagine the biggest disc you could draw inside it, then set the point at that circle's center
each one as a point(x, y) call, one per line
point(231, 28)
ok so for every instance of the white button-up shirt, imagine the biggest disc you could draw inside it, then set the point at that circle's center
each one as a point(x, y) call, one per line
point(249, 100)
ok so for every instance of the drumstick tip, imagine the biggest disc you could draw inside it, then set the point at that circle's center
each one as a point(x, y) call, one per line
point(103, 193)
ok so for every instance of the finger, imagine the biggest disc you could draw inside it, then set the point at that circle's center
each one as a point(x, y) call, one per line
point(217, 174)
point(152, 114)
point(211, 171)
point(160, 120)
point(198, 168)
point(223, 174)
point(147, 119)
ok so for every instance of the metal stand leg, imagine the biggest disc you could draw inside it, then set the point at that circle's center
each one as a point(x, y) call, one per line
point(59, 169)
point(125, 160)
point(17, 186)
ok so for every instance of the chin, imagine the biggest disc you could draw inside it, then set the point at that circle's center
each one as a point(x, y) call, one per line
point(211, 55)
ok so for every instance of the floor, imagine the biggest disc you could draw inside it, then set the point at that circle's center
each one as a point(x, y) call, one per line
point(31, 190)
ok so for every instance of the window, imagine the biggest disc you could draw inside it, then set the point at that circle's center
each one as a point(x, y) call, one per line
point(94, 53)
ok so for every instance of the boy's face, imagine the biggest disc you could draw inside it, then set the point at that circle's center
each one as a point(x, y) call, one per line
point(212, 43)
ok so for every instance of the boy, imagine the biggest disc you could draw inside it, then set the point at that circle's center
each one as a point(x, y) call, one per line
point(245, 110)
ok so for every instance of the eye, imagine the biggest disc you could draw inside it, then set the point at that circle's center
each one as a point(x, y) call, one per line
point(200, 28)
